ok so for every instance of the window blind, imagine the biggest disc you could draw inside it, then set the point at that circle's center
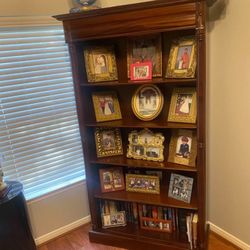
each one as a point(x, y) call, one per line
point(39, 131)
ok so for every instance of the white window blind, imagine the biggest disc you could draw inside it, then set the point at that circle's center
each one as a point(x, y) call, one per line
point(39, 131)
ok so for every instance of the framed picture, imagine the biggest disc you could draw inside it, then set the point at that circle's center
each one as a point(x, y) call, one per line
point(182, 58)
point(141, 71)
point(146, 145)
point(108, 142)
point(183, 106)
point(100, 64)
point(146, 49)
point(180, 187)
point(158, 225)
point(143, 183)
point(111, 179)
point(183, 147)
point(147, 102)
point(116, 219)
point(106, 106)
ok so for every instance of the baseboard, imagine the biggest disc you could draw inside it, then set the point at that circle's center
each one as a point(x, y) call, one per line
point(62, 230)
point(227, 236)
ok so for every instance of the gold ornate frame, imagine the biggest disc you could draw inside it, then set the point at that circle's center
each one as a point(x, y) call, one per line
point(173, 145)
point(100, 117)
point(157, 70)
point(187, 118)
point(100, 149)
point(136, 109)
point(108, 52)
point(172, 72)
point(142, 144)
point(148, 178)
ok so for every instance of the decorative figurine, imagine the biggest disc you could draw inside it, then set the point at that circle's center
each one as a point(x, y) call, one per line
point(2, 183)
point(85, 5)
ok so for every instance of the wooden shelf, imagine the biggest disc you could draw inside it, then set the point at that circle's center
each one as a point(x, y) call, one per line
point(132, 163)
point(150, 199)
point(134, 232)
point(141, 124)
point(166, 81)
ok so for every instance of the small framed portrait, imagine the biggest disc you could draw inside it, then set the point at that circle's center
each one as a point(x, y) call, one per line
point(100, 64)
point(143, 183)
point(115, 219)
point(108, 142)
point(183, 148)
point(147, 102)
point(146, 145)
point(182, 58)
point(106, 106)
point(180, 187)
point(111, 179)
point(153, 224)
point(141, 71)
point(183, 105)
point(146, 49)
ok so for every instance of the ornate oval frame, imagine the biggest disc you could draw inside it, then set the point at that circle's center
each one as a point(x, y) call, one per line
point(135, 107)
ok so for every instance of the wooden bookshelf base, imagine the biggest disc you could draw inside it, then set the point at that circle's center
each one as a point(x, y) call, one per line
point(139, 241)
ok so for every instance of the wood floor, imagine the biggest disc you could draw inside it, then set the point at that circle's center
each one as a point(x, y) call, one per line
point(78, 240)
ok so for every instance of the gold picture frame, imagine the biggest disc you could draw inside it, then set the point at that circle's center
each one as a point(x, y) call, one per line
point(182, 59)
point(108, 142)
point(147, 102)
point(144, 49)
point(183, 147)
point(183, 105)
point(100, 64)
point(142, 183)
point(106, 106)
point(146, 145)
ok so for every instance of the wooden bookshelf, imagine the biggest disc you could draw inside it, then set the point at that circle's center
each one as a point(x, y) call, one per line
point(170, 19)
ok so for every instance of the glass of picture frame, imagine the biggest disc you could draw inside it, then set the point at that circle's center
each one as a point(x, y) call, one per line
point(147, 102)
point(183, 147)
point(146, 49)
point(106, 106)
point(146, 145)
point(115, 219)
point(111, 179)
point(143, 183)
point(100, 64)
point(183, 105)
point(141, 71)
point(108, 142)
point(182, 59)
point(180, 187)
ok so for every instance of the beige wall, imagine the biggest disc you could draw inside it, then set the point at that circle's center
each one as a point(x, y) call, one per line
point(48, 7)
point(58, 209)
point(228, 118)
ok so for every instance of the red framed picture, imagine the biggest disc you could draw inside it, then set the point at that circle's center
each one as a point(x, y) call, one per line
point(141, 71)
point(111, 179)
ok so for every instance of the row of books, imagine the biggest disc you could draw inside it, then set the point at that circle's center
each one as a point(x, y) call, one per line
point(181, 219)
point(191, 222)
